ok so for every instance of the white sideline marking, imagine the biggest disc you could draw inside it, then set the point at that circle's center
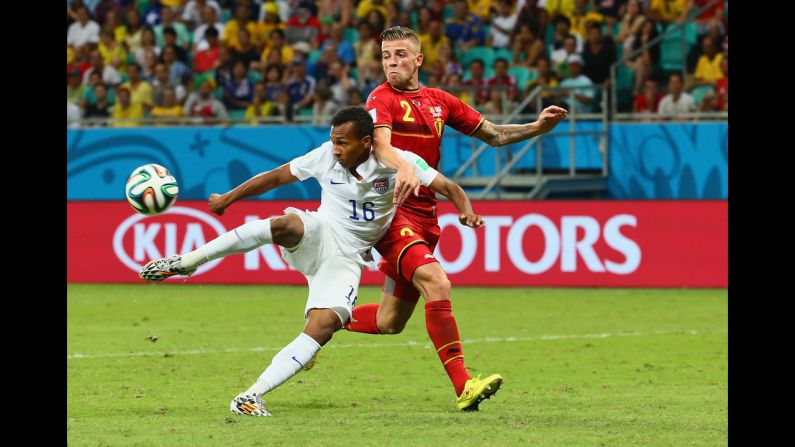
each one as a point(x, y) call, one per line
point(410, 343)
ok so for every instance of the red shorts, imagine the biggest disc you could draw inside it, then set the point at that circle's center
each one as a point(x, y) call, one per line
point(408, 244)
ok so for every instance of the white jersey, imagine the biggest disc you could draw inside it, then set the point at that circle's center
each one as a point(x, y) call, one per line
point(359, 212)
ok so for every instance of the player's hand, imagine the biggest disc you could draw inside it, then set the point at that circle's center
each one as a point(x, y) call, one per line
point(217, 204)
point(471, 220)
point(550, 117)
point(405, 183)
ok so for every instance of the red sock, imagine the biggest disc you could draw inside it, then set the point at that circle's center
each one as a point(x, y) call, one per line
point(364, 316)
point(440, 323)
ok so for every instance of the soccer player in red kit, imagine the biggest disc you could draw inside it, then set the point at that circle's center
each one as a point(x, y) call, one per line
point(412, 118)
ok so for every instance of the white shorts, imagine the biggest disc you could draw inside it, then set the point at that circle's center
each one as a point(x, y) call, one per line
point(333, 277)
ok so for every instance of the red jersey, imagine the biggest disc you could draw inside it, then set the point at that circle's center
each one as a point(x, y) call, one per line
point(417, 119)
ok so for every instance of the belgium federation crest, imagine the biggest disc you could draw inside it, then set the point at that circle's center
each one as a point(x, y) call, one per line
point(380, 185)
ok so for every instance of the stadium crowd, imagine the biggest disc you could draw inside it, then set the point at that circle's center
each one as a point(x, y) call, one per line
point(217, 60)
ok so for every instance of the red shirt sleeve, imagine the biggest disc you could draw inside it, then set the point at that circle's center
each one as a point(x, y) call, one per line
point(381, 105)
point(462, 117)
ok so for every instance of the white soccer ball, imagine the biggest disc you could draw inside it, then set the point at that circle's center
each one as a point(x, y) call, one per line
point(151, 189)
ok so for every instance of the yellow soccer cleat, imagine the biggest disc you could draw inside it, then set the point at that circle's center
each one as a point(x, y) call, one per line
point(477, 390)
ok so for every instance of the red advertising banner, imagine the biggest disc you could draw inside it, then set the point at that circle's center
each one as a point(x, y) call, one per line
point(524, 243)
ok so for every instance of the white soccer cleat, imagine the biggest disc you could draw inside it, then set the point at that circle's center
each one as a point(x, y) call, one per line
point(160, 269)
point(249, 405)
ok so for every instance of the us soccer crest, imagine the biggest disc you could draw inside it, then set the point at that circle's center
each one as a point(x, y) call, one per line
point(380, 185)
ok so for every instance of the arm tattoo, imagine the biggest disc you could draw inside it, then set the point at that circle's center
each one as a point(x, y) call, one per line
point(502, 134)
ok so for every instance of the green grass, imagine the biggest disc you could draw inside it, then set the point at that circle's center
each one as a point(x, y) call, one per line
point(582, 367)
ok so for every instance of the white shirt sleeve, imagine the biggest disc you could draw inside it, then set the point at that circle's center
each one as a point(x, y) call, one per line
point(425, 174)
point(312, 164)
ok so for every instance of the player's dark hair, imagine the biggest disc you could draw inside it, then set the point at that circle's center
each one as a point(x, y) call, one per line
point(356, 115)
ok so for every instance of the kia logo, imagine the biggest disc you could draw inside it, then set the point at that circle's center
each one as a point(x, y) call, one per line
point(144, 235)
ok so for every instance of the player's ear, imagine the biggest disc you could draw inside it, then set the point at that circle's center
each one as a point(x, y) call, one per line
point(367, 141)
point(420, 58)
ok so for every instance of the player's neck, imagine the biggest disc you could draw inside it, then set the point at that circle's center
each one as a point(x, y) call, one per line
point(359, 162)
point(412, 85)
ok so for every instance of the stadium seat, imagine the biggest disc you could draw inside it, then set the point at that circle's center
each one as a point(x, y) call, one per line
point(485, 54)
point(699, 92)
point(523, 75)
point(314, 55)
point(351, 35)
point(354, 73)
point(226, 15)
point(504, 53)
point(487, 73)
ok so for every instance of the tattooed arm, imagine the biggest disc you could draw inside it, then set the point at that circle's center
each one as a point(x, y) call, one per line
point(502, 134)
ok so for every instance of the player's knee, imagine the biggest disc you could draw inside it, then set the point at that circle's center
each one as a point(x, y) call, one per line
point(287, 230)
point(390, 326)
point(321, 325)
point(433, 283)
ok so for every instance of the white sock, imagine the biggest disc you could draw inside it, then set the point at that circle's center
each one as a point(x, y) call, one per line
point(287, 363)
point(240, 240)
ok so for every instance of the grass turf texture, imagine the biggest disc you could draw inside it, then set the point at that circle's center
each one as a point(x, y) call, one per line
point(582, 367)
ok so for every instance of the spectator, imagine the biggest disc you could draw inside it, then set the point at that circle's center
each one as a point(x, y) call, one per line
point(209, 18)
point(300, 85)
point(89, 93)
point(424, 20)
point(74, 86)
point(208, 59)
point(245, 49)
point(582, 16)
point(365, 47)
point(277, 50)
point(170, 39)
point(109, 75)
point(72, 115)
point(113, 24)
point(178, 72)
point(260, 106)
point(202, 104)
point(242, 20)
point(630, 24)
point(84, 30)
point(101, 107)
point(667, 11)
point(161, 83)
point(125, 113)
point(140, 90)
point(562, 30)
point(645, 62)
point(447, 64)
point(238, 93)
point(503, 24)
point(147, 44)
point(533, 15)
point(560, 56)
point(148, 69)
point(223, 74)
point(339, 82)
point(273, 81)
point(323, 106)
point(708, 69)
point(193, 14)
point(377, 21)
point(323, 63)
point(365, 6)
point(677, 101)
point(712, 16)
point(282, 107)
point(341, 11)
point(583, 97)
point(560, 7)
point(355, 97)
point(546, 78)
point(722, 87)
point(495, 104)
point(502, 78)
point(599, 55)
point(302, 27)
point(649, 100)
point(372, 76)
point(481, 9)
point(269, 20)
point(476, 79)
point(169, 108)
point(133, 30)
point(81, 60)
point(344, 48)
point(168, 20)
point(152, 13)
point(431, 43)
point(527, 46)
point(455, 85)
point(464, 29)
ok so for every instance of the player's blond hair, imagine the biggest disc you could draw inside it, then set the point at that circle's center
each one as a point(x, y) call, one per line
point(401, 33)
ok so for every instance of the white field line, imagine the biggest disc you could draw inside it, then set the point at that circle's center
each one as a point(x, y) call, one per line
point(409, 343)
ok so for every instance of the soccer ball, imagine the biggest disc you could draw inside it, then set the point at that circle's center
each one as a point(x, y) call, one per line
point(151, 189)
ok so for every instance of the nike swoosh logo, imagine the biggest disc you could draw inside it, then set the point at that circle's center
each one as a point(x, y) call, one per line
point(335, 183)
point(296, 361)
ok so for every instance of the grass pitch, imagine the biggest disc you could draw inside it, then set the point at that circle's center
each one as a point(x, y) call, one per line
point(158, 364)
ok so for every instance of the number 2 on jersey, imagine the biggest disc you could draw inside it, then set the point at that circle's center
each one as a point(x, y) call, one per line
point(368, 213)
point(407, 116)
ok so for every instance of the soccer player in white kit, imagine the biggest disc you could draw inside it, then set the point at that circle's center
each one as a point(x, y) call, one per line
point(329, 246)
